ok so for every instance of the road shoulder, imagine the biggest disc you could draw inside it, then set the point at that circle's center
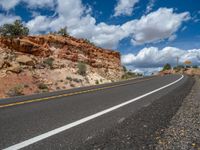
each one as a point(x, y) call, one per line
point(184, 130)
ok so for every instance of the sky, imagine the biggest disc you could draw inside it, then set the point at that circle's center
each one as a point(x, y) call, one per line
point(147, 33)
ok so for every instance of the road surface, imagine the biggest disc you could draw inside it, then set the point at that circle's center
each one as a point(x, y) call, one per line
point(66, 119)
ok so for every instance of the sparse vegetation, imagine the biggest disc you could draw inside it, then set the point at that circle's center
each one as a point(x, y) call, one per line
point(49, 62)
point(195, 66)
point(178, 68)
point(16, 29)
point(82, 68)
point(76, 80)
point(124, 69)
point(89, 42)
point(16, 91)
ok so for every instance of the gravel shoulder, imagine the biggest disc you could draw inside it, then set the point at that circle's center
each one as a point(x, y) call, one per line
point(184, 130)
point(144, 129)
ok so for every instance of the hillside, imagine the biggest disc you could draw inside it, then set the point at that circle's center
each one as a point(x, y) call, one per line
point(43, 63)
point(187, 71)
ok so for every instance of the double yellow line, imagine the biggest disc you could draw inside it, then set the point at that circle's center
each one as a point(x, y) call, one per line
point(69, 94)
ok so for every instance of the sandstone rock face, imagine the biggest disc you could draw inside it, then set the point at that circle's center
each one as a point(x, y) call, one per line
point(67, 48)
point(24, 59)
point(15, 68)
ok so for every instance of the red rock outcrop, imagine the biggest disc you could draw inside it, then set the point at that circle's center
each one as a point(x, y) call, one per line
point(70, 48)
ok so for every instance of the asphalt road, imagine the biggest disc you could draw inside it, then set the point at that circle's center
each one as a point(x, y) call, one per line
point(67, 119)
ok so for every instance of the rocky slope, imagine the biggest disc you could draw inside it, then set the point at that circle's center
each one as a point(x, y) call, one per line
point(187, 71)
point(50, 62)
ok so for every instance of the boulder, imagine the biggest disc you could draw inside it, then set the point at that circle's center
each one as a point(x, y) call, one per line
point(15, 68)
point(26, 60)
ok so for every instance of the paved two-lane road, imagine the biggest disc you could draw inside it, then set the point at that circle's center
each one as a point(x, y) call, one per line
point(65, 119)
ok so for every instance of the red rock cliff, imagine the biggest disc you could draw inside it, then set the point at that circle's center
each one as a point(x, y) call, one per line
point(66, 48)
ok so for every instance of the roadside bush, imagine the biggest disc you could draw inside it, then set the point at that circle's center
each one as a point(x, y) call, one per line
point(97, 82)
point(42, 86)
point(16, 91)
point(195, 66)
point(76, 80)
point(128, 75)
point(124, 69)
point(69, 78)
point(82, 69)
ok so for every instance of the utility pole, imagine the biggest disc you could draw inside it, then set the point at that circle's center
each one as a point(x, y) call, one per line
point(177, 61)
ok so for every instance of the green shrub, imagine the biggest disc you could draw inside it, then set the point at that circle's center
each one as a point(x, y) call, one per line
point(128, 75)
point(76, 80)
point(97, 82)
point(16, 91)
point(167, 67)
point(63, 32)
point(124, 69)
point(49, 62)
point(195, 66)
point(82, 69)
point(69, 78)
point(42, 86)
point(14, 30)
point(89, 42)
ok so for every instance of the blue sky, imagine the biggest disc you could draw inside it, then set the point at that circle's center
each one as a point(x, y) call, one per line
point(148, 33)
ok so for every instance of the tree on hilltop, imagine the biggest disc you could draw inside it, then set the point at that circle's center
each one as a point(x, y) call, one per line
point(15, 29)
point(63, 31)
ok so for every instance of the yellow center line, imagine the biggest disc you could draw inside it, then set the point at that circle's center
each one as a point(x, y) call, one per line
point(69, 94)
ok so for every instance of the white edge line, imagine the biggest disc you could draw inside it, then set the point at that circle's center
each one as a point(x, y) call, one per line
point(83, 120)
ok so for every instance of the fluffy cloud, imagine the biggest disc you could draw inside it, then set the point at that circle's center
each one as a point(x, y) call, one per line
point(8, 5)
point(8, 19)
point(152, 59)
point(156, 26)
point(125, 7)
point(150, 6)
point(31, 3)
point(80, 24)
point(39, 24)
point(39, 3)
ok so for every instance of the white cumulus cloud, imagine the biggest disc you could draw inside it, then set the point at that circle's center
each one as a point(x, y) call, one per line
point(8, 19)
point(125, 7)
point(152, 59)
point(8, 5)
point(156, 26)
